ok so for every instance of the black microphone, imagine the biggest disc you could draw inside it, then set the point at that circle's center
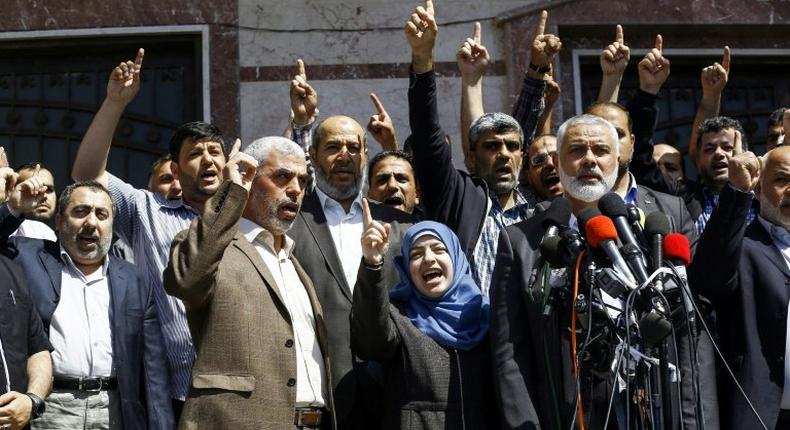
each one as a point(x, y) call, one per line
point(636, 262)
point(555, 217)
point(612, 205)
point(636, 218)
point(656, 227)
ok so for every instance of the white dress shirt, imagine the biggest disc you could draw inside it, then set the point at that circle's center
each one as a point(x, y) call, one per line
point(346, 230)
point(81, 327)
point(35, 230)
point(311, 389)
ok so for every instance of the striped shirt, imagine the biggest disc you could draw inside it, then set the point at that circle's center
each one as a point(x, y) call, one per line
point(149, 223)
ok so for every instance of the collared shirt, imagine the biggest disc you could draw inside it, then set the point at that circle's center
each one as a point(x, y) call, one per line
point(710, 202)
point(346, 230)
point(633, 191)
point(485, 250)
point(35, 230)
point(311, 389)
point(149, 223)
point(81, 326)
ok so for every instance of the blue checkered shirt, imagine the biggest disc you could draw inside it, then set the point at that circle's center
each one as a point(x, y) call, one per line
point(485, 250)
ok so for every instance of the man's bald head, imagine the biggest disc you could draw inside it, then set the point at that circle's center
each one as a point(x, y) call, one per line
point(775, 187)
point(669, 160)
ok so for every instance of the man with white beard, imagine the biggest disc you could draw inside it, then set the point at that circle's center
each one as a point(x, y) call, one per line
point(530, 349)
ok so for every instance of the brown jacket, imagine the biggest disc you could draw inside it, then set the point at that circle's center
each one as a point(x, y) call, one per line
point(244, 376)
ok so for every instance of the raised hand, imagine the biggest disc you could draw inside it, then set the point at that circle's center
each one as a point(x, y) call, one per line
point(375, 237)
point(544, 46)
point(552, 92)
point(744, 171)
point(472, 58)
point(381, 127)
point(3, 157)
point(304, 99)
point(421, 31)
point(714, 77)
point(25, 195)
point(7, 182)
point(654, 68)
point(236, 160)
point(124, 80)
point(614, 58)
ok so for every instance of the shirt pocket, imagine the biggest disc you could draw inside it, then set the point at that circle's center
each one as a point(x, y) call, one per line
point(240, 383)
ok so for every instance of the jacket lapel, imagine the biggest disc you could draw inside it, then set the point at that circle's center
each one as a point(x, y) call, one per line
point(50, 259)
point(118, 285)
point(249, 250)
point(315, 221)
point(773, 255)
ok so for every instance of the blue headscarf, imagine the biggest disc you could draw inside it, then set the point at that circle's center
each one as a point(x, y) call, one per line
point(459, 317)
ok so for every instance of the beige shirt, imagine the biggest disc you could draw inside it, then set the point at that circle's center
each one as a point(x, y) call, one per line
point(311, 389)
point(81, 327)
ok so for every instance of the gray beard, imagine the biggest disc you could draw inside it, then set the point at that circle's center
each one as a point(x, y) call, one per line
point(772, 214)
point(587, 192)
point(339, 193)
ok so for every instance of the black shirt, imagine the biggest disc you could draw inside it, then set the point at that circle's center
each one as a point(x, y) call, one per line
point(21, 330)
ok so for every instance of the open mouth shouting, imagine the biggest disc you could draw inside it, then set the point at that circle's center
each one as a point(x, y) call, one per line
point(209, 177)
point(289, 210)
point(433, 277)
point(504, 173)
point(394, 200)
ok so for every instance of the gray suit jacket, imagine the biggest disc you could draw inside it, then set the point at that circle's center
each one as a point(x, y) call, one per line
point(316, 251)
point(244, 376)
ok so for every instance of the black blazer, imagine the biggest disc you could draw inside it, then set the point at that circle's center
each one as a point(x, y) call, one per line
point(523, 374)
point(741, 271)
point(315, 250)
point(138, 348)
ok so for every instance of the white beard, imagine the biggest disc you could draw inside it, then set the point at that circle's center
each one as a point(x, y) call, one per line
point(584, 191)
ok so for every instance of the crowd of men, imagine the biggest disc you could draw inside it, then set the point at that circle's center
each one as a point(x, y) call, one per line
point(230, 305)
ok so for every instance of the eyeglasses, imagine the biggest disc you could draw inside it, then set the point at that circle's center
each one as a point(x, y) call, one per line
point(540, 159)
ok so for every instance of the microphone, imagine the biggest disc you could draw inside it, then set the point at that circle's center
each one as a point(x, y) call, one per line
point(656, 227)
point(602, 234)
point(636, 217)
point(677, 250)
point(584, 216)
point(555, 217)
point(612, 205)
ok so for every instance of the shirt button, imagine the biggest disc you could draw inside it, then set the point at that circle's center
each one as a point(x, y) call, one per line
point(289, 343)
point(291, 382)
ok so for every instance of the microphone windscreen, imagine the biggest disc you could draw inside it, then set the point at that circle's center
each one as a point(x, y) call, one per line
point(612, 205)
point(585, 215)
point(557, 214)
point(676, 247)
point(657, 223)
point(550, 250)
point(598, 229)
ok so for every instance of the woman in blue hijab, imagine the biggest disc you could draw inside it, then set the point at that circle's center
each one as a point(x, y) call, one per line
point(429, 332)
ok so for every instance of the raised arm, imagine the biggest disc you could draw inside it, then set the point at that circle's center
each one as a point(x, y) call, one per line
point(550, 97)
point(713, 79)
point(196, 252)
point(653, 70)
point(473, 59)
point(614, 60)
point(123, 86)
point(373, 334)
point(304, 112)
point(529, 105)
point(381, 127)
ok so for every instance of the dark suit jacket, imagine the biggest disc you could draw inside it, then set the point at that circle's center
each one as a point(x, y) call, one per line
point(742, 272)
point(138, 348)
point(316, 252)
point(245, 371)
point(523, 374)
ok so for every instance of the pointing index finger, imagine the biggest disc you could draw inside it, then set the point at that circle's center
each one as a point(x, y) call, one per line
point(477, 36)
point(377, 103)
point(725, 61)
point(235, 149)
point(300, 66)
point(138, 61)
point(429, 7)
point(367, 218)
point(659, 43)
point(619, 34)
point(542, 23)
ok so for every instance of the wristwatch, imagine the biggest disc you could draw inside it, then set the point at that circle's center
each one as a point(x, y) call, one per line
point(38, 405)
